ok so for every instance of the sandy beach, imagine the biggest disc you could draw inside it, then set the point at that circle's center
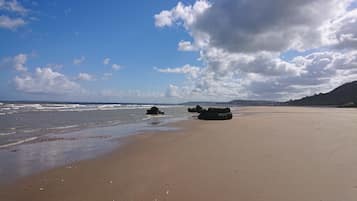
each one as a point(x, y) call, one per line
point(262, 154)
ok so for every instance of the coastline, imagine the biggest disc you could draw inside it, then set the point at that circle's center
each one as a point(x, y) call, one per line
point(41, 153)
point(265, 153)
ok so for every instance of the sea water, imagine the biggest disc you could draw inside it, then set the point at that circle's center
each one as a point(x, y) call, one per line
point(38, 136)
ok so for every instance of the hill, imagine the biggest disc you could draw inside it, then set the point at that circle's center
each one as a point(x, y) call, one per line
point(253, 103)
point(235, 103)
point(344, 96)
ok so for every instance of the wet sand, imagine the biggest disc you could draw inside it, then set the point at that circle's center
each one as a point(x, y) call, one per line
point(263, 154)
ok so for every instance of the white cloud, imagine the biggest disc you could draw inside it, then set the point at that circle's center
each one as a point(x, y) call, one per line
point(78, 61)
point(12, 6)
point(106, 76)
point(45, 81)
point(249, 26)
point(11, 23)
point(186, 46)
point(304, 75)
point(17, 62)
point(341, 32)
point(241, 43)
point(192, 71)
point(131, 95)
point(265, 63)
point(187, 14)
point(106, 61)
point(20, 62)
point(85, 77)
point(172, 92)
point(54, 66)
point(116, 67)
point(163, 19)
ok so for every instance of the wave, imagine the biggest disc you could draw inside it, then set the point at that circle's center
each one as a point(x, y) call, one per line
point(31, 130)
point(148, 117)
point(11, 108)
point(18, 142)
point(63, 127)
point(114, 122)
point(5, 134)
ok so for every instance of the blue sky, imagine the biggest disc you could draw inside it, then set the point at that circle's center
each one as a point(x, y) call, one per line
point(172, 51)
point(122, 31)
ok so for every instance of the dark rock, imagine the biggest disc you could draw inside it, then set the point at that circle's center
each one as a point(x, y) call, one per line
point(154, 111)
point(216, 114)
point(196, 109)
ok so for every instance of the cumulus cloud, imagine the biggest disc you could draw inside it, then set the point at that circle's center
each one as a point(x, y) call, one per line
point(116, 67)
point(106, 76)
point(192, 71)
point(172, 91)
point(249, 26)
point(78, 61)
point(17, 62)
point(20, 62)
point(131, 95)
point(12, 6)
point(186, 46)
point(85, 77)
point(187, 14)
point(45, 81)
point(11, 23)
point(106, 61)
point(241, 44)
point(305, 75)
point(13, 9)
point(54, 66)
point(341, 32)
point(264, 63)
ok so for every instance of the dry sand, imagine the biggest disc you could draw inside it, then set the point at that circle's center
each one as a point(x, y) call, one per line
point(264, 154)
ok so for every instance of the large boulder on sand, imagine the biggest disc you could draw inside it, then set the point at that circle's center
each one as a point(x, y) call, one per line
point(154, 111)
point(216, 114)
point(197, 109)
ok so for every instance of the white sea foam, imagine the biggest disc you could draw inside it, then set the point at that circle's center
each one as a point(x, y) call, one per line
point(5, 134)
point(17, 107)
point(114, 122)
point(61, 107)
point(31, 130)
point(18, 142)
point(148, 117)
point(63, 127)
point(108, 107)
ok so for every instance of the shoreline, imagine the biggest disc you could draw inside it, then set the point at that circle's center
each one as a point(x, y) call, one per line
point(37, 120)
point(29, 157)
point(265, 153)
point(121, 144)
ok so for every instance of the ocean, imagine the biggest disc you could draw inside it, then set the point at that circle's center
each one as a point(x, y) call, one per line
point(38, 136)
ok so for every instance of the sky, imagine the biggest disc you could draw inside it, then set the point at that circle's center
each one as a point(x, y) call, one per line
point(175, 51)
